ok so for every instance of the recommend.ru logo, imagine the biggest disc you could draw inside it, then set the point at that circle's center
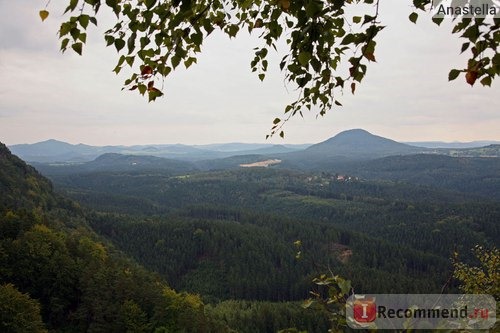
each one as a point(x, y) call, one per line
point(421, 311)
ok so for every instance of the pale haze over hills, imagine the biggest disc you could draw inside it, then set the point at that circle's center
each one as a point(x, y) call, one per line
point(355, 143)
point(353, 152)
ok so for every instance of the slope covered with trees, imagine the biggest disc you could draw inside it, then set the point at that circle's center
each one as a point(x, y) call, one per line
point(54, 267)
point(58, 275)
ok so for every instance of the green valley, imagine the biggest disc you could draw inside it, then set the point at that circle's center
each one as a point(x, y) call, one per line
point(240, 246)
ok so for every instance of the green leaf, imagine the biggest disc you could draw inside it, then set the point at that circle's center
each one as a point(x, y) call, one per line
point(77, 47)
point(486, 81)
point(72, 5)
point(92, 2)
point(75, 33)
point(112, 3)
point(453, 74)
point(121, 60)
point(65, 29)
point(313, 7)
point(304, 58)
point(368, 19)
point(262, 76)
point(175, 61)
point(109, 40)
point(232, 30)
point(43, 14)
point(84, 20)
point(119, 44)
point(150, 3)
point(356, 19)
point(207, 25)
point(197, 38)
point(145, 41)
point(348, 39)
point(131, 42)
point(496, 59)
point(262, 53)
point(64, 44)
point(315, 64)
point(153, 93)
point(189, 61)
point(437, 20)
point(130, 60)
point(472, 33)
point(83, 37)
point(276, 121)
point(282, 134)
point(142, 89)
point(264, 65)
point(465, 46)
point(164, 70)
point(413, 17)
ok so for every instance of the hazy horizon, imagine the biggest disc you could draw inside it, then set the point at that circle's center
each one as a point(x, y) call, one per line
point(246, 143)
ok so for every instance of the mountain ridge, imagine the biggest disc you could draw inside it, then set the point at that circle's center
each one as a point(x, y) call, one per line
point(353, 144)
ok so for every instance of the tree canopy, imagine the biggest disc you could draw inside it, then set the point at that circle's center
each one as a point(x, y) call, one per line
point(328, 49)
point(19, 312)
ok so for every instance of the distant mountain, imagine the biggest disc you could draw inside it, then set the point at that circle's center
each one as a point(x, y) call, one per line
point(360, 143)
point(344, 148)
point(49, 147)
point(52, 151)
point(457, 145)
point(118, 163)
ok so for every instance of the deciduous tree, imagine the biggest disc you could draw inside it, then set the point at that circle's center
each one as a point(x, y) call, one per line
point(19, 313)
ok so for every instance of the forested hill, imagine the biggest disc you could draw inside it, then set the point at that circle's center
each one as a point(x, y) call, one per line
point(358, 143)
point(121, 163)
point(473, 175)
point(56, 275)
point(21, 186)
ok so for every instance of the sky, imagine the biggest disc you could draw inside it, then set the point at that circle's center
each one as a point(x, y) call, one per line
point(405, 96)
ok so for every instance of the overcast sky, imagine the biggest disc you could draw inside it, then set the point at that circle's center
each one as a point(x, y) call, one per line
point(405, 96)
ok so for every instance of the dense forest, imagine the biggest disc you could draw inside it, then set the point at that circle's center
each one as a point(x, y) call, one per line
point(176, 249)
point(58, 275)
point(64, 278)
